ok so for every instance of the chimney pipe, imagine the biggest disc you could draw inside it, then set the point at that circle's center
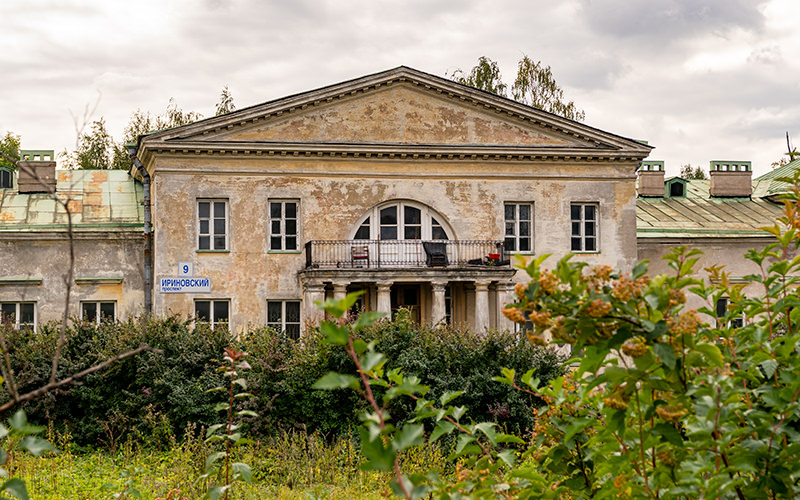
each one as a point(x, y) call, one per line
point(730, 179)
point(651, 179)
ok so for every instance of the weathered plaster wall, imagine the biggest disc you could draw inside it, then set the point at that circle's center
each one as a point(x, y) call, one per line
point(107, 256)
point(334, 194)
point(729, 254)
point(402, 114)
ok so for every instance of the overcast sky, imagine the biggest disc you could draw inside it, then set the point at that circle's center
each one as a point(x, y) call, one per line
point(698, 79)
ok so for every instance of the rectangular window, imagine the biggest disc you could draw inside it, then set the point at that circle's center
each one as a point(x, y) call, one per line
point(99, 312)
point(283, 225)
point(214, 313)
point(18, 315)
point(723, 303)
point(284, 315)
point(518, 227)
point(584, 217)
point(212, 225)
point(5, 178)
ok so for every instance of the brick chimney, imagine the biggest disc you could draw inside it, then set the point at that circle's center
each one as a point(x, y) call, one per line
point(651, 179)
point(37, 172)
point(730, 179)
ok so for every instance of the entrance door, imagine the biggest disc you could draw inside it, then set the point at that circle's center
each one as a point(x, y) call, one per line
point(407, 297)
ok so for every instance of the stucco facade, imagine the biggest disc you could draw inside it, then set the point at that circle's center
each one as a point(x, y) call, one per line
point(403, 139)
point(414, 189)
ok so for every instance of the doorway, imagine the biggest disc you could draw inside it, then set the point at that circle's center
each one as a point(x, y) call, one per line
point(407, 297)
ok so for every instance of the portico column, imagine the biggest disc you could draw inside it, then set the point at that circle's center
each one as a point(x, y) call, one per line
point(313, 292)
point(385, 297)
point(438, 309)
point(339, 290)
point(481, 306)
point(505, 295)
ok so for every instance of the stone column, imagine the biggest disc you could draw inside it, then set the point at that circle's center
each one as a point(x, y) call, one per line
point(385, 297)
point(339, 290)
point(438, 309)
point(481, 306)
point(313, 292)
point(505, 295)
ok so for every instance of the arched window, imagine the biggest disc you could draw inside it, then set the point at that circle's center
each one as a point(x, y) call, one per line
point(402, 220)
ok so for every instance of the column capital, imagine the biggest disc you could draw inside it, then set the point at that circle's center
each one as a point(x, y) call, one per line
point(438, 285)
point(384, 285)
point(482, 285)
point(314, 286)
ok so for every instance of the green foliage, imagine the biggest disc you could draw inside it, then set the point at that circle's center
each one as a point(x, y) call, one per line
point(9, 144)
point(693, 173)
point(19, 435)
point(485, 76)
point(149, 397)
point(534, 86)
point(225, 104)
point(220, 464)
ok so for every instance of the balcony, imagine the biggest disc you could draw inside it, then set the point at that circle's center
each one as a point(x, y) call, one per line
point(405, 254)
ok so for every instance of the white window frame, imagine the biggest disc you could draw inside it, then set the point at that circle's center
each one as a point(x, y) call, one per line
point(17, 324)
point(282, 233)
point(582, 222)
point(210, 234)
point(427, 215)
point(515, 236)
point(282, 324)
point(97, 316)
point(212, 322)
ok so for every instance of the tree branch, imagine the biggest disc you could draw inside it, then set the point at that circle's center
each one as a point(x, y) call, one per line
point(72, 378)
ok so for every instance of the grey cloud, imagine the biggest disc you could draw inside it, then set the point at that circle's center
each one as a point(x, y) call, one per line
point(660, 22)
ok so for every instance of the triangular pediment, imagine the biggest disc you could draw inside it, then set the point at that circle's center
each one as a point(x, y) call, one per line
point(398, 107)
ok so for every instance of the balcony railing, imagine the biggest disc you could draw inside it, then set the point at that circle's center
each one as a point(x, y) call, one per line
point(377, 254)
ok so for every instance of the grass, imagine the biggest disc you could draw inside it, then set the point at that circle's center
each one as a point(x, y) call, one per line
point(289, 466)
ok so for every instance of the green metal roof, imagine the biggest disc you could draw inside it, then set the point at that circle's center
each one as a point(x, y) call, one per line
point(698, 215)
point(769, 183)
point(98, 199)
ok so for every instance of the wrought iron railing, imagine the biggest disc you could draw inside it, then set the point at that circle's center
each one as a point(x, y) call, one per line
point(377, 254)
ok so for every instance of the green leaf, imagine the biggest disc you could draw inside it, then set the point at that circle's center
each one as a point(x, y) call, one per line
point(449, 396)
point(20, 422)
point(710, 352)
point(463, 441)
point(367, 318)
point(334, 334)
point(217, 492)
point(243, 471)
point(509, 438)
point(371, 360)
point(241, 383)
point(214, 428)
point(508, 457)
point(530, 381)
point(410, 435)
point(16, 487)
point(768, 367)
point(335, 380)
point(337, 308)
point(487, 428)
point(666, 354)
point(246, 413)
point(221, 406)
point(213, 458)
point(378, 456)
point(442, 428)
point(36, 446)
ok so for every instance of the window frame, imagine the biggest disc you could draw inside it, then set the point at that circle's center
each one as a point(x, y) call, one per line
point(212, 322)
point(581, 235)
point(430, 221)
point(98, 319)
point(17, 324)
point(282, 324)
point(211, 235)
point(516, 237)
point(721, 306)
point(282, 222)
point(10, 173)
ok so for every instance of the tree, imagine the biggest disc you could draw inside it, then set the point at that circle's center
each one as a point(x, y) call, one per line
point(225, 104)
point(534, 85)
point(96, 149)
point(693, 173)
point(485, 76)
point(9, 144)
